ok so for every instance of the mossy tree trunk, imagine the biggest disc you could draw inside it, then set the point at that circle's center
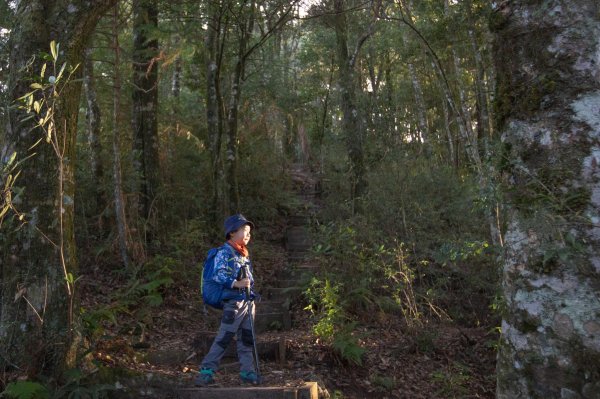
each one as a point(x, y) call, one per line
point(215, 31)
point(145, 102)
point(36, 328)
point(93, 119)
point(118, 192)
point(548, 111)
point(245, 17)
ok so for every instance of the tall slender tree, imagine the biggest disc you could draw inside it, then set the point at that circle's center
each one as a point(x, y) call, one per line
point(145, 102)
point(353, 121)
point(215, 35)
point(246, 42)
point(93, 120)
point(118, 196)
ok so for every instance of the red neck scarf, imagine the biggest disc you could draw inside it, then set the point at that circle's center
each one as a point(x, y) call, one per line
point(241, 248)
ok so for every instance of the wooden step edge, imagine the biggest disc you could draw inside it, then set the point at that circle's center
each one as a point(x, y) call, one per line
point(309, 390)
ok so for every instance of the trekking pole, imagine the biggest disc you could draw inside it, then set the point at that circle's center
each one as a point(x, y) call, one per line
point(250, 302)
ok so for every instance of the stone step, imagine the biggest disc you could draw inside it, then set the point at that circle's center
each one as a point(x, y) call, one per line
point(302, 272)
point(309, 390)
point(282, 293)
point(303, 245)
point(272, 321)
point(292, 230)
point(296, 230)
point(298, 220)
point(297, 256)
point(298, 238)
point(273, 349)
point(287, 280)
point(270, 306)
point(299, 247)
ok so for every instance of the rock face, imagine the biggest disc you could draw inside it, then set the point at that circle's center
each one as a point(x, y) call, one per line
point(547, 56)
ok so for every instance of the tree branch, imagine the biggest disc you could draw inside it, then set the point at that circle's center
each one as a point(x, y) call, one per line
point(370, 30)
point(271, 30)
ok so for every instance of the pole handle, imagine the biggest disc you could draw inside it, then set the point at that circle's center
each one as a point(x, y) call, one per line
point(245, 275)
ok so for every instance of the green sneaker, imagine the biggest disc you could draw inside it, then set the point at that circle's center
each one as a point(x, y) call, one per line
point(204, 377)
point(250, 377)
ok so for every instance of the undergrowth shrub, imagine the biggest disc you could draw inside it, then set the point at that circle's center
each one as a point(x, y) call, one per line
point(136, 300)
point(419, 249)
point(74, 384)
point(334, 325)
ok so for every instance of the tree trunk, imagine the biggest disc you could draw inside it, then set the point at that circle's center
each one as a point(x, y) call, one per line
point(353, 125)
point(246, 27)
point(145, 102)
point(93, 129)
point(119, 198)
point(231, 157)
point(548, 98)
point(483, 118)
point(420, 105)
point(213, 115)
point(177, 73)
point(449, 135)
point(36, 321)
point(469, 137)
point(417, 89)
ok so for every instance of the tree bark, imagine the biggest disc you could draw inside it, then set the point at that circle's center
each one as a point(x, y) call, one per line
point(231, 157)
point(548, 101)
point(36, 324)
point(119, 198)
point(213, 100)
point(145, 102)
point(177, 73)
point(93, 117)
point(449, 135)
point(483, 114)
point(353, 124)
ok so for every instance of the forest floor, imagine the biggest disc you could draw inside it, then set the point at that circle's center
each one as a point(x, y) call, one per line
point(440, 359)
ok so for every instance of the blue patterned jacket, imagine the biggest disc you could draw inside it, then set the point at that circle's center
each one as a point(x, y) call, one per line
point(228, 267)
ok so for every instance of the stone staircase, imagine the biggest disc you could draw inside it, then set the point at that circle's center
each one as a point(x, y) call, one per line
point(273, 311)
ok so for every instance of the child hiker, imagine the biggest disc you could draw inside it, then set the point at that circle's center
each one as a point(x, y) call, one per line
point(229, 262)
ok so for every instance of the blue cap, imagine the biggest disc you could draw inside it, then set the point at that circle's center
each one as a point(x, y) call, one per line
point(234, 222)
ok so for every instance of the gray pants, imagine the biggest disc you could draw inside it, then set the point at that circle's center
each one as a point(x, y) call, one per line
point(236, 320)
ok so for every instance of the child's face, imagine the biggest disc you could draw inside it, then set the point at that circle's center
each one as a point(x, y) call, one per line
point(242, 235)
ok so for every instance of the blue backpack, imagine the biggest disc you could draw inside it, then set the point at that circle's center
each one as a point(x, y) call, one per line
point(212, 292)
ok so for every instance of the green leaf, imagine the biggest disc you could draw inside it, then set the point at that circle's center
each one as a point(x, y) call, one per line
point(62, 69)
point(564, 254)
point(548, 255)
point(35, 144)
point(26, 96)
point(43, 72)
point(54, 50)
point(36, 86)
point(3, 211)
point(26, 390)
point(12, 158)
point(49, 132)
